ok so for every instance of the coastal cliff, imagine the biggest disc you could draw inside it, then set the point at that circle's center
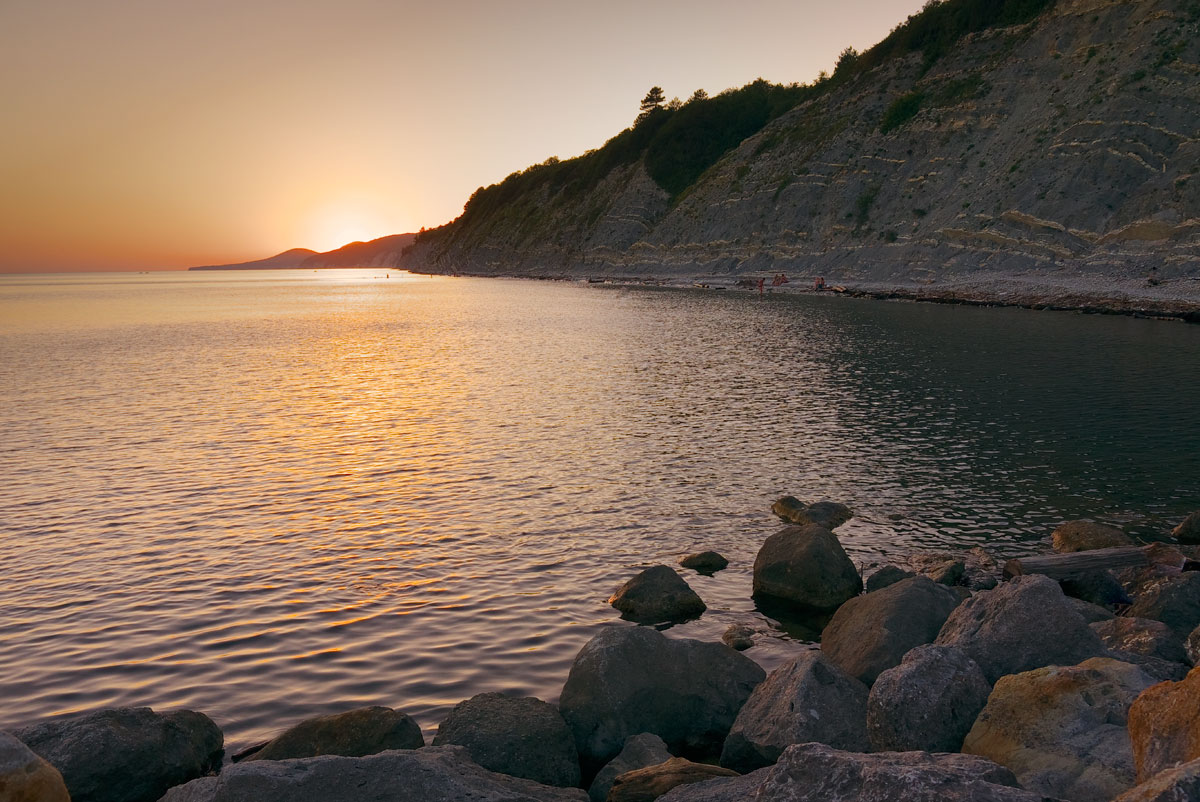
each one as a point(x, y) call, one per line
point(1054, 156)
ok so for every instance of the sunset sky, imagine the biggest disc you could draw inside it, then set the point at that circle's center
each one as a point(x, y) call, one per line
point(143, 134)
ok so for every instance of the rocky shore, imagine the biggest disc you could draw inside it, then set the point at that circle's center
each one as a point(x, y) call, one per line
point(1073, 675)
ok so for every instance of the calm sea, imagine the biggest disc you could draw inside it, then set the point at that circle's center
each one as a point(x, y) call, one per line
point(272, 495)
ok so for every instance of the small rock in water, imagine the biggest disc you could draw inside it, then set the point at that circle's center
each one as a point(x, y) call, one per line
point(355, 733)
point(1189, 530)
point(25, 777)
point(706, 562)
point(1164, 725)
point(887, 575)
point(806, 565)
point(828, 514)
point(657, 594)
point(640, 751)
point(738, 636)
point(1075, 536)
point(651, 782)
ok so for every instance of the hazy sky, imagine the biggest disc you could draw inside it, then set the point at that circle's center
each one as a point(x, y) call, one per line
point(140, 134)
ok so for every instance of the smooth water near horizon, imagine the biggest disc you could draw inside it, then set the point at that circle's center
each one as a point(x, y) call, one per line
point(273, 495)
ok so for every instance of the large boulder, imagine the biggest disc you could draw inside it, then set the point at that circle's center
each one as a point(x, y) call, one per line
point(806, 699)
point(628, 680)
point(818, 773)
point(128, 754)
point(870, 634)
point(432, 774)
point(806, 565)
point(363, 731)
point(1189, 530)
point(1143, 636)
point(1023, 624)
point(927, 703)
point(1087, 535)
point(1164, 725)
point(640, 751)
point(657, 594)
point(1180, 784)
point(1174, 600)
point(1061, 729)
point(649, 783)
point(828, 514)
point(519, 736)
point(25, 777)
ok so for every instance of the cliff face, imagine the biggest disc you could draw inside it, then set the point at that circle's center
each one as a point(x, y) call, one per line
point(1069, 143)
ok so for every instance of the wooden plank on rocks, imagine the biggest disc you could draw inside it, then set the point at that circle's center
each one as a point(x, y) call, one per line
point(1061, 566)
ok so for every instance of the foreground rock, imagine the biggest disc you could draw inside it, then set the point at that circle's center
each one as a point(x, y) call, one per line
point(806, 565)
point(1180, 784)
point(25, 777)
point(432, 774)
point(1023, 624)
point(870, 634)
point(1098, 587)
point(1189, 530)
point(724, 789)
point(648, 784)
point(705, 562)
point(885, 576)
point(657, 594)
point(640, 751)
point(364, 731)
point(629, 680)
point(818, 773)
point(1141, 636)
point(979, 569)
point(1087, 535)
point(828, 514)
point(1191, 647)
point(519, 736)
point(807, 699)
point(1164, 725)
point(927, 703)
point(1174, 600)
point(1061, 729)
point(128, 754)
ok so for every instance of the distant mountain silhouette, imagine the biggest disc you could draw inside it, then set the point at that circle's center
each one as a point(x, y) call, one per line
point(381, 252)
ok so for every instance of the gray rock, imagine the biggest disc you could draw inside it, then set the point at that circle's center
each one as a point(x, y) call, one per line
point(705, 562)
point(1075, 536)
point(869, 634)
point(807, 699)
point(1025, 623)
point(819, 773)
point(1163, 561)
point(980, 569)
point(657, 594)
point(1061, 729)
point(518, 736)
point(431, 774)
point(1173, 600)
point(1192, 647)
point(1180, 784)
point(629, 680)
point(1155, 667)
point(828, 514)
point(1091, 613)
point(1189, 530)
point(724, 789)
point(887, 575)
point(649, 783)
point(1143, 636)
point(1098, 587)
point(738, 636)
point(25, 777)
point(127, 754)
point(640, 751)
point(927, 703)
point(806, 565)
point(363, 731)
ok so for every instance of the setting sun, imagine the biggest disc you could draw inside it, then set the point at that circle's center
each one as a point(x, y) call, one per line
point(339, 222)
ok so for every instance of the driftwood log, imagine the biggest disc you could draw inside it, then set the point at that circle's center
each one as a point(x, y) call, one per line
point(1063, 566)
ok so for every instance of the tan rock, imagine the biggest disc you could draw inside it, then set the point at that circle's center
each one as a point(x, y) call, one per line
point(1087, 535)
point(1180, 784)
point(25, 777)
point(648, 784)
point(1189, 530)
point(1164, 725)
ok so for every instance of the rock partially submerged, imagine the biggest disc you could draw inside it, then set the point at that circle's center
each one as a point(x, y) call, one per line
point(806, 699)
point(432, 774)
point(363, 731)
point(806, 565)
point(828, 514)
point(25, 777)
point(649, 783)
point(738, 636)
point(519, 736)
point(641, 750)
point(629, 680)
point(704, 562)
point(1075, 536)
point(657, 594)
point(870, 634)
point(927, 703)
point(127, 754)
point(1025, 623)
point(1061, 729)
point(1164, 725)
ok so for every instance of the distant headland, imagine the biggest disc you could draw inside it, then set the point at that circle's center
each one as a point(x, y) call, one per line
point(381, 252)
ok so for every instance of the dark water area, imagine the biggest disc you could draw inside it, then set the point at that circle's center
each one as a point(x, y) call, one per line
point(278, 494)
